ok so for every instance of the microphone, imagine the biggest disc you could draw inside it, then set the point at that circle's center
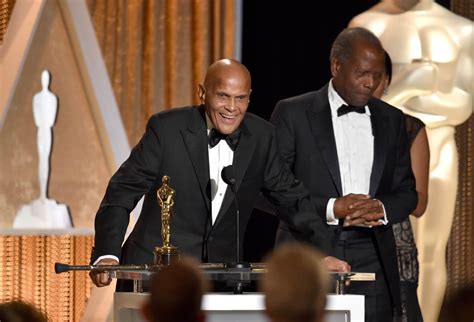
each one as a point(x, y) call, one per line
point(228, 176)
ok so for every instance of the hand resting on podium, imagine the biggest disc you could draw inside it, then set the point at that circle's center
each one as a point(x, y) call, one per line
point(102, 278)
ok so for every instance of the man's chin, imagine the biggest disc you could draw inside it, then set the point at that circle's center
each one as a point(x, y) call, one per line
point(360, 103)
point(228, 128)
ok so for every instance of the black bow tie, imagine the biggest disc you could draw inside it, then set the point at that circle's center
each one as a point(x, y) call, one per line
point(344, 109)
point(231, 139)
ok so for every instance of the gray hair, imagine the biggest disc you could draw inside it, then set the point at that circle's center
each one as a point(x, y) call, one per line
point(343, 45)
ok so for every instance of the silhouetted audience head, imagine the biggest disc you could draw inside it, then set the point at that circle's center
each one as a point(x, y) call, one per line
point(295, 285)
point(20, 311)
point(176, 293)
point(459, 307)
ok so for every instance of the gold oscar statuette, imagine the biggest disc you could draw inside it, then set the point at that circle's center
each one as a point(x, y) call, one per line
point(167, 253)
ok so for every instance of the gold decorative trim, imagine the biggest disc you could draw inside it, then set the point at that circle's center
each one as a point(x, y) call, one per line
point(28, 273)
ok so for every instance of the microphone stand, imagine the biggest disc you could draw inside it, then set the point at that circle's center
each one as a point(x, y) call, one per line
point(238, 265)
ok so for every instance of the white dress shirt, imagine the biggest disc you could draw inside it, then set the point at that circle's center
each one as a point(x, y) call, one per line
point(220, 156)
point(355, 150)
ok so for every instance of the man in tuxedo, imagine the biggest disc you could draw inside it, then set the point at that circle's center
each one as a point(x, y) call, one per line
point(351, 151)
point(192, 145)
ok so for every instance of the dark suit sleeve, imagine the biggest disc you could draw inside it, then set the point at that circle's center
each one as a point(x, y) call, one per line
point(401, 198)
point(288, 193)
point(284, 121)
point(131, 181)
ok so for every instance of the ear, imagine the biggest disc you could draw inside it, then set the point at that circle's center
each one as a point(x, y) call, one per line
point(335, 66)
point(201, 93)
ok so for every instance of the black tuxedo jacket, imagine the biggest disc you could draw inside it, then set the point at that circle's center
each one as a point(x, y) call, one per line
point(306, 140)
point(176, 144)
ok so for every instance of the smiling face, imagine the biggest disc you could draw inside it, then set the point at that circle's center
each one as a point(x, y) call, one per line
point(356, 79)
point(226, 94)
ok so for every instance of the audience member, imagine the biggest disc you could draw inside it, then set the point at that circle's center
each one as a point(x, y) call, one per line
point(296, 284)
point(459, 307)
point(176, 293)
point(20, 311)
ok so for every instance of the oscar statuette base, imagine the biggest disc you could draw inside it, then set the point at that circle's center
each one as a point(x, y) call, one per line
point(166, 255)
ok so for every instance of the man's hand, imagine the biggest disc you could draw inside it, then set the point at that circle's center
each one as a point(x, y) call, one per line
point(358, 209)
point(102, 278)
point(336, 265)
point(366, 212)
point(346, 205)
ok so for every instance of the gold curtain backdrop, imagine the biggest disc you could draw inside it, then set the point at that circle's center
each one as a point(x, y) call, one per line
point(156, 52)
point(27, 273)
point(6, 7)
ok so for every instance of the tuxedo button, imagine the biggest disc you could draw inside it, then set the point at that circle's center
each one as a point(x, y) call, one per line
point(210, 239)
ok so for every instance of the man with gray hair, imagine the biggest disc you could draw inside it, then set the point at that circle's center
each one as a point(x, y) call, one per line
point(351, 151)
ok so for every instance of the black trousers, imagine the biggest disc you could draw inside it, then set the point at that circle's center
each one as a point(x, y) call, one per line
point(357, 247)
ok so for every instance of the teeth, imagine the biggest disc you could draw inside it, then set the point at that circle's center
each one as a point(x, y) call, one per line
point(227, 116)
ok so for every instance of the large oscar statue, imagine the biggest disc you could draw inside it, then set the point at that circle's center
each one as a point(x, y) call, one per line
point(44, 212)
point(432, 80)
point(167, 253)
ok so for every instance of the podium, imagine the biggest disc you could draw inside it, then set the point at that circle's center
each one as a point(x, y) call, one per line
point(228, 307)
point(249, 307)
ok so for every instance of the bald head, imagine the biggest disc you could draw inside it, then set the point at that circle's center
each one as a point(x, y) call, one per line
point(224, 68)
point(225, 94)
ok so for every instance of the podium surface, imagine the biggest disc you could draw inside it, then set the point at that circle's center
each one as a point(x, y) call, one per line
point(249, 307)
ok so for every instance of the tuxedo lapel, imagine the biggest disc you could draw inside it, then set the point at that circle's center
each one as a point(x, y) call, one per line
point(321, 126)
point(379, 127)
point(196, 140)
point(242, 156)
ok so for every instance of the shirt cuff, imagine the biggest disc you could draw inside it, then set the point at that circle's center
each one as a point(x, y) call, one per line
point(330, 217)
point(384, 220)
point(104, 257)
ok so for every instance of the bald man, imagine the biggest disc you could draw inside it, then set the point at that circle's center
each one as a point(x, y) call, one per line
point(192, 145)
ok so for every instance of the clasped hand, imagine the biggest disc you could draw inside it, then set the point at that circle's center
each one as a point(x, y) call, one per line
point(358, 209)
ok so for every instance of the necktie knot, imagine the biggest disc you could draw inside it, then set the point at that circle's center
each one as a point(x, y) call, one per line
point(231, 139)
point(344, 109)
